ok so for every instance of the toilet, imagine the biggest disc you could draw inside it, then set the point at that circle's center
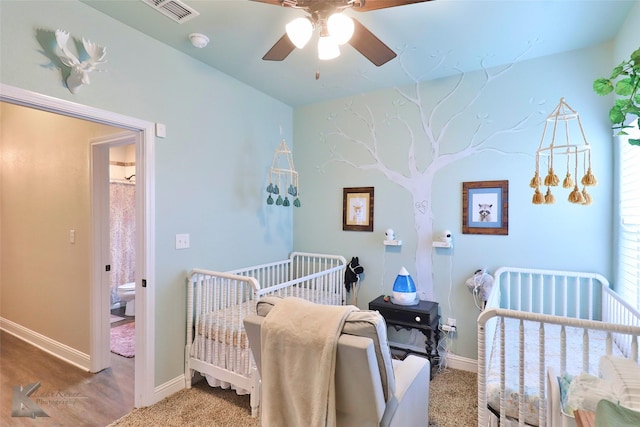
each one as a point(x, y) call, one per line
point(127, 293)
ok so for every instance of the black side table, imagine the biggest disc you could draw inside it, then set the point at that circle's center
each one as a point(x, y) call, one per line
point(423, 317)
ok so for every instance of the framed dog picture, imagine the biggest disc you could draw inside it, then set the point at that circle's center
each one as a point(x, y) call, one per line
point(485, 207)
point(357, 209)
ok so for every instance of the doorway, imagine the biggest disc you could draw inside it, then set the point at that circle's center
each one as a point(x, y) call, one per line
point(122, 232)
point(113, 183)
point(144, 242)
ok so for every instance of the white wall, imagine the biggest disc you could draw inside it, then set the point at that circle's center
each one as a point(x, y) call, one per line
point(122, 162)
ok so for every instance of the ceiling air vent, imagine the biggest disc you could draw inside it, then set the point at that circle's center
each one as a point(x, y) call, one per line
point(174, 9)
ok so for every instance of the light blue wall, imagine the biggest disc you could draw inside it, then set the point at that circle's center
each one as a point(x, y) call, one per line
point(559, 236)
point(208, 186)
point(628, 38)
point(207, 183)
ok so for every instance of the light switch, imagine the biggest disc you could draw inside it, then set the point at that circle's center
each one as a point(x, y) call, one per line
point(72, 236)
point(161, 130)
point(182, 241)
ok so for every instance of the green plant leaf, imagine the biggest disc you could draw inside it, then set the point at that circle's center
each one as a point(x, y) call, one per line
point(617, 71)
point(602, 86)
point(626, 107)
point(616, 115)
point(625, 87)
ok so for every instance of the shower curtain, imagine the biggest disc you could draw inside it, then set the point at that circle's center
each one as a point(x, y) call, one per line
point(122, 222)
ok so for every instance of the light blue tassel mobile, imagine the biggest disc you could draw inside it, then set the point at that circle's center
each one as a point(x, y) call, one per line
point(283, 174)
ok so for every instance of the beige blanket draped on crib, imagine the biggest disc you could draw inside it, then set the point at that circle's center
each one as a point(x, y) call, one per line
point(299, 341)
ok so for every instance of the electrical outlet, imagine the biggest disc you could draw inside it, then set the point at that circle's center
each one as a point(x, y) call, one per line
point(448, 328)
point(451, 322)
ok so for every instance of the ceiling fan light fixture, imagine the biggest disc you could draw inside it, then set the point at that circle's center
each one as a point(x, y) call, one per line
point(327, 48)
point(299, 31)
point(340, 27)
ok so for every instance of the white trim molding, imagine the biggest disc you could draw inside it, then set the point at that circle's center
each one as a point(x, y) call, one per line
point(462, 363)
point(168, 388)
point(46, 344)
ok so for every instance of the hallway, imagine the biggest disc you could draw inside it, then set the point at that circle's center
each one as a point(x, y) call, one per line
point(69, 396)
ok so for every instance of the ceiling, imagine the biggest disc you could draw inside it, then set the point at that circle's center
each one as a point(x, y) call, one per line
point(463, 31)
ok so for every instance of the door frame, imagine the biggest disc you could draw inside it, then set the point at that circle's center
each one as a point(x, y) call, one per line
point(145, 233)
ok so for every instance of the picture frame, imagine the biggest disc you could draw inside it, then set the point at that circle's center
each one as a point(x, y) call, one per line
point(357, 208)
point(485, 207)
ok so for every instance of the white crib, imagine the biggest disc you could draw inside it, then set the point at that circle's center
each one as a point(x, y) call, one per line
point(217, 302)
point(541, 321)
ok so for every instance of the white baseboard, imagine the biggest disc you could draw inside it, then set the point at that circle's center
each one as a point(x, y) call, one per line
point(167, 389)
point(54, 348)
point(453, 360)
point(463, 363)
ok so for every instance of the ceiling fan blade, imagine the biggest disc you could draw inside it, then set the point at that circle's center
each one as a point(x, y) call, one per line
point(365, 42)
point(280, 50)
point(378, 4)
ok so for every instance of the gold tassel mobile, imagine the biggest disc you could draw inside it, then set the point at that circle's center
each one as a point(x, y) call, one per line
point(563, 114)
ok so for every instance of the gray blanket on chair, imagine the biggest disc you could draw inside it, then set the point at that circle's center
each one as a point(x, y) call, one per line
point(299, 342)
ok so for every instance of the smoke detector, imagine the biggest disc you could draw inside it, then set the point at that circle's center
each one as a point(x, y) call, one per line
point(199, 40)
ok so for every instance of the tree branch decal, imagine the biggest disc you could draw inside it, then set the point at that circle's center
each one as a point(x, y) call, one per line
point(428, 133)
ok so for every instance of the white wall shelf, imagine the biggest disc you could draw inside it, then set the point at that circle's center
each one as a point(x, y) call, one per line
point(393, 242)
point(442, 245)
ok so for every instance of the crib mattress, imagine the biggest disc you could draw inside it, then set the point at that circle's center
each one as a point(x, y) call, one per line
point(225, 325)
point(574, 340)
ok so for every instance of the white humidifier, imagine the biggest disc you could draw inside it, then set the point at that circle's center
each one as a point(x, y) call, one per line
point(404, 290)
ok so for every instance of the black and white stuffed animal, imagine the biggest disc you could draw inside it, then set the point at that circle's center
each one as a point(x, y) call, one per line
point(351, 273)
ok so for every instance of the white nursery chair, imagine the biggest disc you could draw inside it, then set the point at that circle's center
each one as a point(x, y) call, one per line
point(371, 388)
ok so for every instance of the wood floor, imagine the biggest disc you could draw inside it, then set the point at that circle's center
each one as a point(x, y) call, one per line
point(70, 396)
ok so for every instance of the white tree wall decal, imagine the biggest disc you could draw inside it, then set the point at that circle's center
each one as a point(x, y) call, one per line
point(431, 132)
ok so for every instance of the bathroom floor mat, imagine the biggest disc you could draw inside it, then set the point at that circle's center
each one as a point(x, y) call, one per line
point(123, 339)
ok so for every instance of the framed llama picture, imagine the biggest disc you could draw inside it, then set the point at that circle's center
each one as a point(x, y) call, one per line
point(357, 209)
point(485, 207)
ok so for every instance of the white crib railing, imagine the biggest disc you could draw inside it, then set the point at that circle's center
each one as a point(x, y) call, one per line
point(568, 299)
point(217, 303)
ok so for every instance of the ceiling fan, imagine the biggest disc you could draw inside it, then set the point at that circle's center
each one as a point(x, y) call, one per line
point(335, 28)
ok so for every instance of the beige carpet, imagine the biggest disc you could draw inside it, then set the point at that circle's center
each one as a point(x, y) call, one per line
point(453, 403)
point(453, 399)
